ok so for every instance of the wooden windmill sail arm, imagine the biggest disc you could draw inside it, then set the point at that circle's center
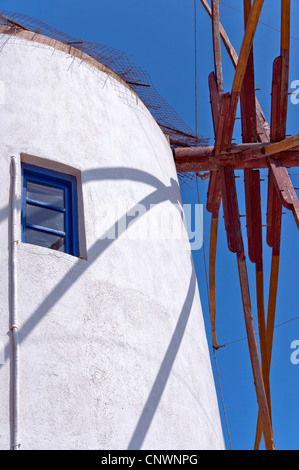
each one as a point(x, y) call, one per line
point(228, 46)
point(278, 176)
point(217, 47)
point(274, 216)
point(263, 127)
point(285, 144)
point(235, 243)
point(216, 88)
point(284, 187)
point(230, 207)
point(241, 69)
point(285, 54)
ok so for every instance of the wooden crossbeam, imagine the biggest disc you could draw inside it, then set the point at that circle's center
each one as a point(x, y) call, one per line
point(192, 159)
point(283, 145)
point(272, 148)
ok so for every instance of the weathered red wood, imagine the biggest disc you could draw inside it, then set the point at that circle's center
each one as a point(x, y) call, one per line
point(247, 102)
point(278, 132)
point(214, 100)
point(280, 187)
point(254, 356)
point(275, 133)
point(235, 244)
point(214, 193)
point(247, 98)
point(224, 115)
point(274, 215)
point(217, 46)
point(214, 196)
point(246, 49)
point(284, 187)
point(231, 210)
point(254, 218)
point(253, 208)
point(214, 189)
point(284, 92)
point(285, 54)
point(263, 128)
point(192, 159)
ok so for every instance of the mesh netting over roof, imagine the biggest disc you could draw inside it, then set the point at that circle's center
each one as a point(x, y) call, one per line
point(170, 122)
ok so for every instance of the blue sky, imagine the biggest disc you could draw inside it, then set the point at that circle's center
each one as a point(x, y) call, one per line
point(158, 36)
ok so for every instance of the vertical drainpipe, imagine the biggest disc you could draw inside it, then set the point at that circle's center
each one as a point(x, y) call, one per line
point(14, 305)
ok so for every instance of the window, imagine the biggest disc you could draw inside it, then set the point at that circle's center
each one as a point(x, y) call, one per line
point(49, 209)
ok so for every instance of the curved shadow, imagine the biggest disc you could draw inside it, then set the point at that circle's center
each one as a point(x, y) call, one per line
point(4, 213)
point(160, 194)
point(94, 252)
point(159, 385)
point(125, 173)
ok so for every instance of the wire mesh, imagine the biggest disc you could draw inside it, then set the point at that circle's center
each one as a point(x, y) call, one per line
point(180, 134)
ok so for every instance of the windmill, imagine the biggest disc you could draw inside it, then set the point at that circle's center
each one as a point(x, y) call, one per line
point(263, 146)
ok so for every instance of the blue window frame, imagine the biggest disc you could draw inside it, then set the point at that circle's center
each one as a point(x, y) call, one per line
point(49, 209)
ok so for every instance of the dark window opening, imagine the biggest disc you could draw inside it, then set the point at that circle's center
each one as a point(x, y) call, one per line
point(49, 209)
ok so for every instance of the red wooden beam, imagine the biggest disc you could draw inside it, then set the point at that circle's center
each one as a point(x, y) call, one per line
point(253, 217)
point(192, 159)
point(214, 189)
point(275, 133)
point(215, 101)
point(285, 53)
point(235, 243)
point(247, 98)
point(253, 207)
point(262, 125)
point(217, 46)
point(231, 210)
point(274, 215)
point(214, 201)
point(222, 125)
point(279, 104)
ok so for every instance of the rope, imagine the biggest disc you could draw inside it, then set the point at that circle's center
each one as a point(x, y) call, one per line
point(243, 339)
point(261, 22)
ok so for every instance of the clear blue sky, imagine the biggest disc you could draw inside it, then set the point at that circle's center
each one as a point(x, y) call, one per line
point(158, 35)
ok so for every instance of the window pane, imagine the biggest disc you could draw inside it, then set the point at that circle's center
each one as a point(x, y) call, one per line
point(46, 194)
point(43, 217)
point(47, 240)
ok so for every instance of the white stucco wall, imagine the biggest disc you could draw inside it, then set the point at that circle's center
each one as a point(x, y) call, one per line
point(113, 351)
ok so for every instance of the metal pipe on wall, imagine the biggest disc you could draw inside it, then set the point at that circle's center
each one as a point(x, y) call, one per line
point(14, 305)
